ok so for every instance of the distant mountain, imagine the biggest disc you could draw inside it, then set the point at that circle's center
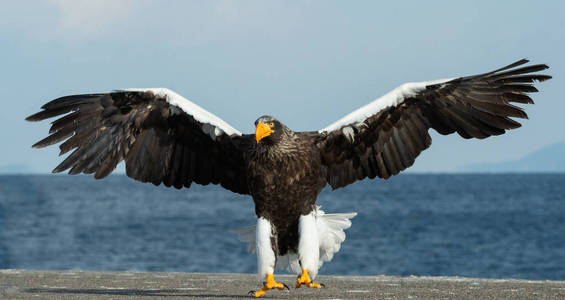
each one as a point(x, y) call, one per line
point(547, 159)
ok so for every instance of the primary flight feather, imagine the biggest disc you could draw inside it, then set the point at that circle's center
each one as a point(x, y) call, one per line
point(165, 138)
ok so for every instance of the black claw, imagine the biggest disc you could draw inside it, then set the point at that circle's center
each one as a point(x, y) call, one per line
point(322, 285)
point(252, 293)
point(286, 287)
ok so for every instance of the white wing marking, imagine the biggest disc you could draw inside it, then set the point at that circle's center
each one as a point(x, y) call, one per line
point(212, 124)
point(392, 98)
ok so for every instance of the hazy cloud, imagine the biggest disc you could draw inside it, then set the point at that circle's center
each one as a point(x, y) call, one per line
point(90, 17)
point(191, 22)
point(50, 20)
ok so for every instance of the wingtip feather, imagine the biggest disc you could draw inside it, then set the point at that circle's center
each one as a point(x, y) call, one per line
point(541, 78)
point(34, 118)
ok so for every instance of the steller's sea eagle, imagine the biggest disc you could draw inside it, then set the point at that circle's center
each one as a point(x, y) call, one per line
point(165, 138)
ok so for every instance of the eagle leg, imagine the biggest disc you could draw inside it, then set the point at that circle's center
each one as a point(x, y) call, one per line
point(269, 284)
point(308, 250)
point(305, 279)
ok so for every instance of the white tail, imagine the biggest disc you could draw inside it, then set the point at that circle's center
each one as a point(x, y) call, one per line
point(331, 233)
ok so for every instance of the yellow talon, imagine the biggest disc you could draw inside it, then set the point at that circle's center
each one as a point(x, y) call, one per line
point(260, 292)
point(269, 284)
point(305, 279)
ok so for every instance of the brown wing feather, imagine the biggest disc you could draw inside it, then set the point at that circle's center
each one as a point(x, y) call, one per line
point(159, 142)
point(390, 140)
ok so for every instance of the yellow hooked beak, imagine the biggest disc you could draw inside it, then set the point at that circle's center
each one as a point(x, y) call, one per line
point(263, 130)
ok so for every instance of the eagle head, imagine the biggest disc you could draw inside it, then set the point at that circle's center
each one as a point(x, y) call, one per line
point(268, 130)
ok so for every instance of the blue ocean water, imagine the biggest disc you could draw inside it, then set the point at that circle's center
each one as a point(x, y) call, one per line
point(496, 226)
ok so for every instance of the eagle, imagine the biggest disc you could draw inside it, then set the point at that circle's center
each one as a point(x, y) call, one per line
point(166, 139)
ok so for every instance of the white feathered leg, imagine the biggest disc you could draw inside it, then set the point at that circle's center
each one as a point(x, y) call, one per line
point(265, 258)
point(264, 249)
point(331, 233)
point(308, 250)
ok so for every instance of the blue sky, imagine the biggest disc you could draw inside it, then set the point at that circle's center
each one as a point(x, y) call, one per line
point(306, 62)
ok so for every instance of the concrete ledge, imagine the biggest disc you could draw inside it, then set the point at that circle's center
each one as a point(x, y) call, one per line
point(20, 284)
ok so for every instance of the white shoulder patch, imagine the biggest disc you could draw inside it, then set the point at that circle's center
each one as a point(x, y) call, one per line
point(349, 133)
point(212, 125)
point(392, 98)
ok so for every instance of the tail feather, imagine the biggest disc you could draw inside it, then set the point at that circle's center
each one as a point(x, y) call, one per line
point(331, 231)
point(246, 235)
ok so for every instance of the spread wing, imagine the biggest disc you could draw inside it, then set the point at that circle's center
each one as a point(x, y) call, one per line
point(385, 136)
point(161, 136)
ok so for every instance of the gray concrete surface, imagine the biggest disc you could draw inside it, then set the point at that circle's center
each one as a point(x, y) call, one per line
point(19, 284)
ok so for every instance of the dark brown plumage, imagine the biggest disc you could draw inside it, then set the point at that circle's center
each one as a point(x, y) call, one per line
point(158, 141)
point(164, 138)
point(285, 176)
